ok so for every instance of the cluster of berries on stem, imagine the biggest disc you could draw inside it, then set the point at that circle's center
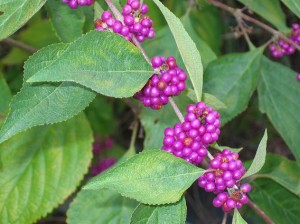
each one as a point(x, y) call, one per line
point(73, 4)
point(102, 162)
point(189, 140)
point(140, 25)
point(135, 22)
point(170, 81)
point(107, 22)
point(282, 48)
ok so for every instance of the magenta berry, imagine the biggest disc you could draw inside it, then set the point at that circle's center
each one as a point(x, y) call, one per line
point(107, 22)
point(160, 87)
point(182, 143)
point(226, 172)
point(205, 121)
point(140, 25)
point(73, 4)
point(298, 77)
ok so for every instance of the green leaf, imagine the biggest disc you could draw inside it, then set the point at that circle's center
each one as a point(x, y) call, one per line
point(164, 35)
point(208, 24)
point(233, 79)
point(278, 203)
point(5, 96)
point(14, 14)
point(117, 68)
point(150, 177)
point(278, 94)
point(209, 99)
point(47, 103)
point(270, 10)
point(260, 157)
point(41, 167)
point(100, 207)
point(187, 48)
point(68, 23)
point(293, 5)
point(221, 148)
point(283, 171)
point(237, 218)
point(171, 213)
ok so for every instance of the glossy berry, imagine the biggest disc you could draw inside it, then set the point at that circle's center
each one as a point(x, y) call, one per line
point(281, 48)
point(205, 121)
point(169, 82)
point(107, 22)
point(73, 4)
point(140, 25)
point(298, 76)
point(235, 198)
point(226, 171)
point(181, 142)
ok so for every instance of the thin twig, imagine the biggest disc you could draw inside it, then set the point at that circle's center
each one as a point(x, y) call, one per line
point(16, 43)
point(176, 109)
point(115, 11)
point(233, 11)
point(261, 213)
point(225, 218)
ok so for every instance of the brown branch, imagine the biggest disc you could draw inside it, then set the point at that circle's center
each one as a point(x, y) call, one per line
point(260, 212)
point(238, 13)
point(20, 45)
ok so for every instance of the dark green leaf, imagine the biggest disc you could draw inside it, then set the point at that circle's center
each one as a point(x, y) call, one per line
point(5, 96)
point(269, 10)
point(14, 14)
point(283, 171)
point(279, 204)
point(44, 104)
point(102, 61)
point(233, 79)
point(187, 48)
point(171, 213)
point(260, 157)
point(150, 177)
point(100, 207)
point(41, 167)
point(293, 5)
point(68, 23)
point(278, 93)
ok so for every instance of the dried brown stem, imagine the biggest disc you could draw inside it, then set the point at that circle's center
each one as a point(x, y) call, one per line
point(16, 43)
point(238, 13)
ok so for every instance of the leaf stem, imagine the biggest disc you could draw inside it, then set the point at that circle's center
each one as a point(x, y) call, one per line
point(20, 45)
point(235, 12)
point(176, 109)
point(261, 213)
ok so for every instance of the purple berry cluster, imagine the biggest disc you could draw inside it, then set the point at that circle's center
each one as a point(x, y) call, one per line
point(204, 121)
point(169, 82)
point(225, 172)
point(73, 4)
point(236, 198)
point(107, 22)
point(181, 142)
point(189, 140)
point(282, 48)
point(226, 168)
point(140, 25)
point(103, 165)
point(101, 162)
